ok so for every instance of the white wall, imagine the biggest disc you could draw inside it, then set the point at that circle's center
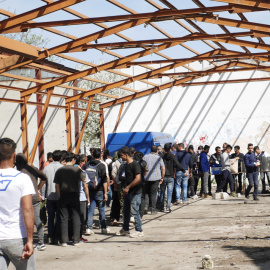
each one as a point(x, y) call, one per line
point(206, 114)
point(54, 126)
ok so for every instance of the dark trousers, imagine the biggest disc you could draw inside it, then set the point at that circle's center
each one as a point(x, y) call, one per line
point(116, 207)
point(253, 181)
point(218, 179)
point(53, 211)
point(238, 177)
point(196, 182)
point(151, 189)
point(70, 208)
point(142, 206)
point(83, 217)
point(191, 185)
point(226, 177)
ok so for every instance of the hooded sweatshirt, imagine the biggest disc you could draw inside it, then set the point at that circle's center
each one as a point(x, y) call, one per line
point(170, 162)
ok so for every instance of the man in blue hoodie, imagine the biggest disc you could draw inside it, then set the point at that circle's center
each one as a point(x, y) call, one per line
point(252, 172)
point(204, 170)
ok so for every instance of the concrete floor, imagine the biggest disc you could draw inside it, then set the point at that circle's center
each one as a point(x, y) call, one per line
point(235, 232)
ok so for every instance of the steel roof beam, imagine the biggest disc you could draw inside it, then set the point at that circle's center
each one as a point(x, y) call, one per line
point(35, 13)
point(155, 16)
point(252, 3)
point(156, 89)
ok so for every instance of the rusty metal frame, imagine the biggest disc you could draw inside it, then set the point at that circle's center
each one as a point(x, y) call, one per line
point(16, 55)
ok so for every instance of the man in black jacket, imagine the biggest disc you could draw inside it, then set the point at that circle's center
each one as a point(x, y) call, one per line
point(170, 162)
point(215, 159)
point(98, 196)
point(194, 179)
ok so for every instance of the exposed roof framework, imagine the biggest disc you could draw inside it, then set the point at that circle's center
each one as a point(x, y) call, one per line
point(217, 28)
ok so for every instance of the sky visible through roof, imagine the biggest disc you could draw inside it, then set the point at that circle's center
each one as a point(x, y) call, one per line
point(100, 8)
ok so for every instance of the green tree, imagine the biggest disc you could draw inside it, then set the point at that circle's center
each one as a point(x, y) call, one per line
point(91, 137)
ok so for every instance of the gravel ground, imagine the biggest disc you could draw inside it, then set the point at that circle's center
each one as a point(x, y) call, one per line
point(234, 232)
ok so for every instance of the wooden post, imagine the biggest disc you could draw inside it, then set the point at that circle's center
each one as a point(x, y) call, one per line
point(76, 116)
point(68, 127)
point(24, 126)
point(118, 118)
point(40, 126)
point(84, 124)
point(39, 115)
point(102, 135)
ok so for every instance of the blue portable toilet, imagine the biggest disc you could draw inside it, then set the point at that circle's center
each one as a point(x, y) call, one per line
point(141, 141)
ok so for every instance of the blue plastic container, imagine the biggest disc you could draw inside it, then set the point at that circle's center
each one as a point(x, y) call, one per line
point(142, 141)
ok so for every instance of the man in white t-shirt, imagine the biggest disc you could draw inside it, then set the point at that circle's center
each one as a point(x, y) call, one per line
point(16, 212)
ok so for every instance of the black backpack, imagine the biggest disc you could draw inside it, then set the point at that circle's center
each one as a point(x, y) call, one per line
point(92, 172)
point(122, 171)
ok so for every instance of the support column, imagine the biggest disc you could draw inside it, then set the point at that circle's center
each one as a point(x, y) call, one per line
point(102, 135)
point(68, 127)
point(84, 124)
point(40, 125)
point(39, 114)
point(118, 118)
point(24, 126)
point(76, 116)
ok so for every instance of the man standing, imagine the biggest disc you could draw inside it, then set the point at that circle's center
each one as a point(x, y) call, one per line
point(238, 176)
point(215, 159)
point(204, 168)
point(193, 180)
point(154, 177)
point(259, 155)
point(168, 182)
point(98, 196)
point(68, 180)
point(226, 171)
point(252, 165)
point(34, 173)
point(53, 199)
point(16, 212)
point(132, 194)
point(184, 158)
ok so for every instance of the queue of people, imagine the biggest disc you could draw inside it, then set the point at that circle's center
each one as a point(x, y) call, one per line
point(137, 184)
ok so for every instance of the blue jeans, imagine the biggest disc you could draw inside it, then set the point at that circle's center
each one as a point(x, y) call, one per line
point(97, 199)
point(132, 204)
point(167, 183)
point(181, 182)
point(253, 181)
point(11, 251)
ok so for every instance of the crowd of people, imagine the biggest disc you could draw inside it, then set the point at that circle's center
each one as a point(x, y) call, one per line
point(130, 183)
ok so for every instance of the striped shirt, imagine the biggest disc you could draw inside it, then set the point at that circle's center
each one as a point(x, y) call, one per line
point(154, 164)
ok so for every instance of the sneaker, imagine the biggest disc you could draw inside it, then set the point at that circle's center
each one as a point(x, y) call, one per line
point(168, 210)
point(122, 232)
point(50, 240)
point(154, 212)
point(63, 244)
point(247, 195)
point(256, 199)
point(114, 223)
point(233, 194)
point(76, 244)
point(178, 202)
point(83, 240)
point(40, 247)
point(136, 234)
point(132, 220)
point(104, 231)
point(195, 197)
point(185, 202)
point(89, 232)
point(207, 196)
